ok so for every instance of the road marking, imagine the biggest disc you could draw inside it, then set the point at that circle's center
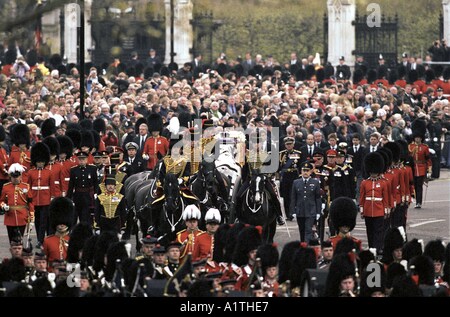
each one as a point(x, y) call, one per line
point(425, 223)
point(434, 201)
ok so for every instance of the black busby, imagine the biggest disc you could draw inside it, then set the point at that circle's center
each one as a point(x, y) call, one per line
point(138, 123)
point(116, 251)
point(413, 76)
point(48, 127)
point(365, 258)
point(65, 145)
point(329, 71)
point(424, 268)
point(86, 124)
point(96, 137)
point(20, 134)
point(394, 270)
point(412, 249)
point(78, 237)
point(320, 75)
point(404, 286)
point(395, 149)
point(185, 119)
point(231, 240)
point(341, 268)
point(248, 239)
point(371, 76)
point(343, 213)
point(394, 239)
point(99, 125)
point(87, 139)
point(429, 75)
point(346, 245)
point(61, 212)
point(435, 250)
point(358, 75)
point(53, 145)
point(300, 74)
point(2, 133)
point(40, 153)
point(387, 156)
point(419, 128)
point(220, 242)
point(75, 136)
point(304, 258)
point(401, 72)
point(155, 122)
point(268, 253)
point(393, 76)
point(310, 72)
point(285, 262)
point(374, 163)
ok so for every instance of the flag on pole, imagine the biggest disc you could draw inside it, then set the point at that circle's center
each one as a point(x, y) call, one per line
point(38, 28)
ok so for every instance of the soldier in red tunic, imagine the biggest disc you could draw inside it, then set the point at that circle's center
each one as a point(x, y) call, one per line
point(61, 219)
point(156, 146)
point(343, 214)
point(204, 246)
point(188, 236)
point(268, 253)
point(4, 158)
point(67, 160)
point(374, 200)
point(54, 166)
point(20, 153)
point(42, 188)
point(17, 202)
point(421, 156)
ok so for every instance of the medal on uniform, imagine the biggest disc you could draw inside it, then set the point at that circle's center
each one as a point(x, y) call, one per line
point(377, 185)
point(25, 190)
point(159, 142)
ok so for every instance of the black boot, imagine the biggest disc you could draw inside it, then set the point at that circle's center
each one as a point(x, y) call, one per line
point(280, 220)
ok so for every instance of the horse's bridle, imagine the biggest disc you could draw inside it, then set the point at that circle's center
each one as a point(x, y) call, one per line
point(171, 221)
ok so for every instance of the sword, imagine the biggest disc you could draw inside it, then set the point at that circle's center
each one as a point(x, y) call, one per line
point(426, 191)
point(283, 212)
point(28, 234)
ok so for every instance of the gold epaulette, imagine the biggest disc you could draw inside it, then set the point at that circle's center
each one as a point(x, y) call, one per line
point(140, 257)
point(74, 166)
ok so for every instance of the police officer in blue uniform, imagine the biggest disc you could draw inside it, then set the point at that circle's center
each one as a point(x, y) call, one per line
point(289, 171)
point(83, 188)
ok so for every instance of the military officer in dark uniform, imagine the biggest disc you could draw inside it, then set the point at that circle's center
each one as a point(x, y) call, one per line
point(322, 176)
point(83, 188)
point(99, 164)
point(436, 130)
point(342, 70)
point(159, 261)
point(289, 171)
point(135, 164)
point(173, 259)
point(111, 210)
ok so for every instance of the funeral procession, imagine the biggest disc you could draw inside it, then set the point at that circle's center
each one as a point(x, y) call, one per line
point(203, 148)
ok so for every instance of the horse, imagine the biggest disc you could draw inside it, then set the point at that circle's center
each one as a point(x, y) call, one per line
point(231, 171)
point(255, 206)
point(211, 188)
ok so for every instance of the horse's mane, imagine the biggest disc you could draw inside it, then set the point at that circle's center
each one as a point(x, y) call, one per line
point(171, 186)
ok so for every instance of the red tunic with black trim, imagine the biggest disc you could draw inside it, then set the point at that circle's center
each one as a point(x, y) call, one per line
point(421, 156)
point(65, 173)
point(55, 178)
point(21, 157)
point(204, 247)
point(153, 147)
point(374, 197)
point(55, 248)
point(335, 240)
point(188, 239)
point(19, 199)
point(40, 181)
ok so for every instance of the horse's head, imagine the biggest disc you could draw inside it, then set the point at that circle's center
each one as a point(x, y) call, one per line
point(257, 184)
point(171, 191)
point(207, 171)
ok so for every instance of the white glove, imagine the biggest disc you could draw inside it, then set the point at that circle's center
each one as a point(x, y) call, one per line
point(95, 196)
point(323, 207)
point(145, 156)
point(317, 217)
point(6, 208)
point(432, 151)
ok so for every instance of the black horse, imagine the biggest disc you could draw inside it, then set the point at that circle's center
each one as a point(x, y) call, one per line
point(256, 206)
point(166, 211)
point(210, 188)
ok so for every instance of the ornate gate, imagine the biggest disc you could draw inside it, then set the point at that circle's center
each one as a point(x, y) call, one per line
point(204, 26)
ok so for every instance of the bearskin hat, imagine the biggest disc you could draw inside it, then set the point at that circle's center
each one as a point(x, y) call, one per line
point(138, 123)
point(185, 119)
point(155, 122)
point(310, 72)
point(395, 150)
point(231, 240)
point(419, 128)
point(99, 125)
point(412, 249)
point(394, 239)
point(61, 212)
point(238, 70)
point(300, 74)
point(435, 250)
point(40, 153)
point(20, 134)
point(329, 71)
point(404, 286)
point(401, 72)
point(222, 69)
point(285, 262)
point(86, 124)
point(320, 75)
point(393, 271)
point(268, 253)
point(78, 237)
point(424, 267)
point(365, 257)
point(374, 163)
point(116, 251)
point(429, 75)
point(48, 127)
point(446, 73)
point(2, 133)
point(87, 139)
point(53, 145)
point(371, 76)
point(304, 258)
point(382, 73)
point(358, 75)
point(393, 76)
point(341, 267)
point(267, 72)
point(65, 145)
point(387, 156)
point(96, 137)
point(346, 245)
point(75, 136)
point(87, 256)
point(366, 290)
point(343, 212)
point(248, 239)
point(220, 240)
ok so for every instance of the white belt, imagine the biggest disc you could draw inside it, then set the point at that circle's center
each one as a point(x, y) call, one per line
point(374, 199)
point(57, 182)
point(67, 179)
point(40, 187)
